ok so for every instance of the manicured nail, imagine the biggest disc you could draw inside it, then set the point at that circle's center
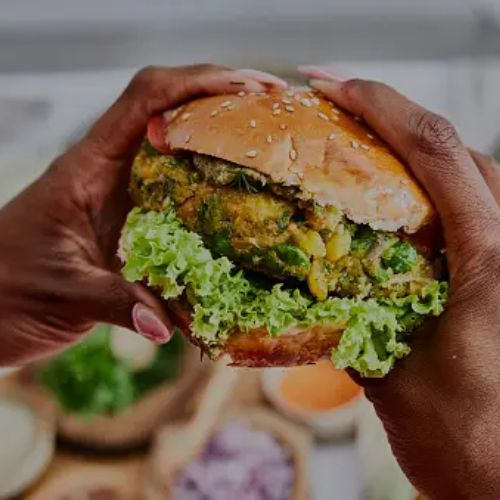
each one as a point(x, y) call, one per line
point(156, 133)
point(325, 85)
point(322, 73)
point(169, 115)
point(149, 325)
point(262, 77)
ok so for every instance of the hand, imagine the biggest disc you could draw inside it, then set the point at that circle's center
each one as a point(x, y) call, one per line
point(59, 236)
point(440, 405)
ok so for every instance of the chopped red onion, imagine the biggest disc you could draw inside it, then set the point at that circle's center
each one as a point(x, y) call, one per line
point(239, 463)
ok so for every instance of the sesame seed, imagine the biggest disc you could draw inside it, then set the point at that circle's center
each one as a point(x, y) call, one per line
point(335, 118)
point(323, 116)
point(306, 102)
point(225, 104)
point(297, 97)
point(355, 144)
point(230, 107)
point(187, 139)
point(252, 153)
point(365, 147)
point(285, 100)
point(282, 126)
point(404, 182)
point(276, 112)
point(332, 136)
point(214, 112)
point(315, 100)
point(253, 123)
point(276, 105)
point(289, 93)
point(310, 94)
point(241, 93)
point(175, 112)
point(290, 109)
point(370, 136)
point(269, 139)
point(300, 175)
point(185, 116)
point(293, 154)
point(335, 111)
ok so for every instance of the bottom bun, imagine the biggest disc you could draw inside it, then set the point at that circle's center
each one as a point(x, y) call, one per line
point(257, 349)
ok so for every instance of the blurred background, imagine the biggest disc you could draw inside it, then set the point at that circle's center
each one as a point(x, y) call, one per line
point(61, 64)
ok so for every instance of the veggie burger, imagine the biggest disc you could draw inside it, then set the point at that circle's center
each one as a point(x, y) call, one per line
point(280, 230)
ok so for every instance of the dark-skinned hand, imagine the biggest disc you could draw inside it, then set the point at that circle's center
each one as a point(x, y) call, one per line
point(440, 405)
point(59, 236)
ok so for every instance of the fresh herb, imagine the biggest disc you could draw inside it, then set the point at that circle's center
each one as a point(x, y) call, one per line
point(401, 257)
point(381, 276)
point(363, 240)
point(89, 380)
point(201, 211)
point(292, 255)
point(283, 221)
point(243, 183)
point(221, 244)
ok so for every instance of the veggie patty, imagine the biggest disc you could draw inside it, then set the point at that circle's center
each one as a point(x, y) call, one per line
point(267, 228)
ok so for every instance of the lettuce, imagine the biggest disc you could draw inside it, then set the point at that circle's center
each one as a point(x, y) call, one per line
point(156, 248)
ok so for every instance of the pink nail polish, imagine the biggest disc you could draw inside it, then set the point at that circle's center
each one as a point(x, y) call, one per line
point(322, 73)
point(149, 325)
point(263, 77)
point(325, 85)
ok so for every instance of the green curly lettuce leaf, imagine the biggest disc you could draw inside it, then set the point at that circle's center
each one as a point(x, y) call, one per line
point(156, 248)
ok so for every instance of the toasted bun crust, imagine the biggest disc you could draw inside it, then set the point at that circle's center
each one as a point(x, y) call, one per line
point(257, 349)
point(297, 137)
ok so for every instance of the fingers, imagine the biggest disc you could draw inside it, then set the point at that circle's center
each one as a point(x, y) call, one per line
point(153, 90)
point(109, 298)
point(431, 147)
point(490, 170)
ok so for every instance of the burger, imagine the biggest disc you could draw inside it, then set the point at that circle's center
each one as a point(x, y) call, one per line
point(280, 231)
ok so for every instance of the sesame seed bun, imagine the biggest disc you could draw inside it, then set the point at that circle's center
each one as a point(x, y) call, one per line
point(297, 137)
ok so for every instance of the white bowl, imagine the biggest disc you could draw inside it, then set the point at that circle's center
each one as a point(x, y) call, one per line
point(27, 445)
point(336, 423)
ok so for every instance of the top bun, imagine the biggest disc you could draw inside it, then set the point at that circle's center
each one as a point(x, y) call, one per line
point(297, 137)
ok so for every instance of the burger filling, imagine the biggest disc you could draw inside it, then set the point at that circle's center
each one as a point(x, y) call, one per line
point(202, 218)
point(264, 227)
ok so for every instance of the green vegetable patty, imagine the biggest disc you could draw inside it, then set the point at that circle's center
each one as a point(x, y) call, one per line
point(265, 228)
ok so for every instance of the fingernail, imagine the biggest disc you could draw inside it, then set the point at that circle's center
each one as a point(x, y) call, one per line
point(325, 85)
point(169, 115)
point(322, 73)
point(262, 77)
point(149, 325)
point(156, 133)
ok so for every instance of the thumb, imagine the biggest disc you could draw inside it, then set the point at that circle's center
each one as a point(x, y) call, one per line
point(108, 298)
